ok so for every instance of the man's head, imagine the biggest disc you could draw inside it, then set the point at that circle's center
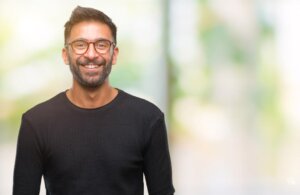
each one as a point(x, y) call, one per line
point(90, 47)
point(84, 14)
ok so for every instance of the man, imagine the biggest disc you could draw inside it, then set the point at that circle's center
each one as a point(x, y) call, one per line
point(92, 139)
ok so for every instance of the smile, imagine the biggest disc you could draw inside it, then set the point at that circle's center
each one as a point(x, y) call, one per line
point(91, 66)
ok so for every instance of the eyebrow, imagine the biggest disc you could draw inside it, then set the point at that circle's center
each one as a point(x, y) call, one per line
point(87, 40)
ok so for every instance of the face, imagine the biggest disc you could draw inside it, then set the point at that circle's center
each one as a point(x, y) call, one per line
point(91, 69)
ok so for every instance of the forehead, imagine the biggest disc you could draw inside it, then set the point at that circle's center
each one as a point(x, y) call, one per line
point(90, 30)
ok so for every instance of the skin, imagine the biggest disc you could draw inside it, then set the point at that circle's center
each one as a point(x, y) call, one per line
point(94, 89)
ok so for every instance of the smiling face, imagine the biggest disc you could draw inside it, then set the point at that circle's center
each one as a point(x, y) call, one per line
point(91, 69)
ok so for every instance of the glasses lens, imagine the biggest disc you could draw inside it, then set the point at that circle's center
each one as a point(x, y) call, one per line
point(102, 46)
point(80, 47)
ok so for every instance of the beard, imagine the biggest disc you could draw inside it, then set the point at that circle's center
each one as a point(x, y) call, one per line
point(90, 79)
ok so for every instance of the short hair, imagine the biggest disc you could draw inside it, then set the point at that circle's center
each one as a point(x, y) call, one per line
point(81, 14)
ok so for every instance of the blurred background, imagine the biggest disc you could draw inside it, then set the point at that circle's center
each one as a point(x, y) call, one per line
point(226, 74)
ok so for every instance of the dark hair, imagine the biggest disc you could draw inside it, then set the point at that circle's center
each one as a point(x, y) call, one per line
point(81, 14)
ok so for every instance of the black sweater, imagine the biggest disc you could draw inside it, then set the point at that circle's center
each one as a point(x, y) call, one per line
point(102, 151)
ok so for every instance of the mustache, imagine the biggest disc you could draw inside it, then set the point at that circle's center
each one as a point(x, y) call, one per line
point(96, 61)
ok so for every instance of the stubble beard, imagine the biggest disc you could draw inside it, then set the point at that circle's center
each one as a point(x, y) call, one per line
point(90, 80)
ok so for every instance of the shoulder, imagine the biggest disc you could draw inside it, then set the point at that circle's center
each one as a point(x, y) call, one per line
point(46, 108)
point(139, 105)
point(138, 110)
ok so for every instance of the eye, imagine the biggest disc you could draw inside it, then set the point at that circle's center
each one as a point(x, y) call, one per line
point(80, 45)
point(102, 44)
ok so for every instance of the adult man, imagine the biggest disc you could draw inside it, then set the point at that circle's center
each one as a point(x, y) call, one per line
point(92, 138)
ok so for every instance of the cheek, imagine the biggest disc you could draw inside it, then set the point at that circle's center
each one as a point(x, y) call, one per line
point(68, 59)
point(72, 60)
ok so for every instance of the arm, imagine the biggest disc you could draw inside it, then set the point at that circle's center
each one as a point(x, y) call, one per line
point(157, 163)
point(28, 162)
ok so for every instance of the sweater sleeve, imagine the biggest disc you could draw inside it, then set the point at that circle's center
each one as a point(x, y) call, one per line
point(157, 163)
point(28, 161)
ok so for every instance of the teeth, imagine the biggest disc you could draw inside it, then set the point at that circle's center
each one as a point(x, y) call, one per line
point(90, 66)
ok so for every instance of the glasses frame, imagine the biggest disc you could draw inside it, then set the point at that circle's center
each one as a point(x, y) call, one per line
point(111, 43)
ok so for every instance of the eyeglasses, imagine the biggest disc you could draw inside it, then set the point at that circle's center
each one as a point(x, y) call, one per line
point(101, 46)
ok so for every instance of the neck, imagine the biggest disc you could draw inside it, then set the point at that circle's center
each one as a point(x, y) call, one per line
point(91, 97)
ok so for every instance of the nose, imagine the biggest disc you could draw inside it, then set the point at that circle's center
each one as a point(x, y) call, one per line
point(91, 52)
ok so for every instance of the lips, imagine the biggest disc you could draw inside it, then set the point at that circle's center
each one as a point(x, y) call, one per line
point(90, 64)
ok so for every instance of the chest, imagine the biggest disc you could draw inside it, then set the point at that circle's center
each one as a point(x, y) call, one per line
point(87, 147)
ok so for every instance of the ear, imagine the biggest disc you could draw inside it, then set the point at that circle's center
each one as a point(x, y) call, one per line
point(65, 56)
point(115, 55)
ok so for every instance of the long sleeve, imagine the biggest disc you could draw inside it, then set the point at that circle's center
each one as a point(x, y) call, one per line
point(157, 163)
point(28, 162)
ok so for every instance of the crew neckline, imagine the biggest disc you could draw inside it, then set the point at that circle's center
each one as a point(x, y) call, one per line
point(103, 107)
